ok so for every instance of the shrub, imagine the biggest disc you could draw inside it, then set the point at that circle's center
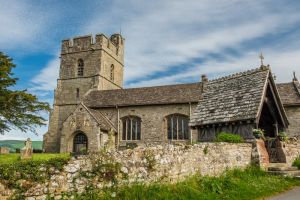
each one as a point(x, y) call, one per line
point(229, 137)
point(296, 162)
point(259, 133)
point(282, 136)
point(35, 170)
point(205, 150)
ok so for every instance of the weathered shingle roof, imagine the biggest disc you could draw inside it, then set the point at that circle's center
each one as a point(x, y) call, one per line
point(289, 93)
point(232, 98)
point(169, 94)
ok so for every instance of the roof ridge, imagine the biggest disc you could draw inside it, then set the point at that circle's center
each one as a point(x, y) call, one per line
point(157, 86)
point(239, 74)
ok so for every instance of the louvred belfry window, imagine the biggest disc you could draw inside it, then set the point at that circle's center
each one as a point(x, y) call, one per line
point(112, 72)
point(80, 67)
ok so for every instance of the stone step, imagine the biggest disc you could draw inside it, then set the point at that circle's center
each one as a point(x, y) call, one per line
point(295, 173)
point(287, 168)
point(278, 165)
point(281, 167)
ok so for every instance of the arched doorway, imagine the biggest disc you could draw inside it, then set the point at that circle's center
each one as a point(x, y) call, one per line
point(80, 143)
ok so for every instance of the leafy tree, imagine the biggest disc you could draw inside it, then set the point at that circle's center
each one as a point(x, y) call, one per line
point(18, 108)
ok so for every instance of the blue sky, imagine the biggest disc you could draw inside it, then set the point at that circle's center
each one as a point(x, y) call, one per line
point(167, 41)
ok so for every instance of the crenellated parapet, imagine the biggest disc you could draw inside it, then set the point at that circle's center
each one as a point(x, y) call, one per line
point(114, 44)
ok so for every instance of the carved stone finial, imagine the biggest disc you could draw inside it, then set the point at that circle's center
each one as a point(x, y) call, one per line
point(294, 76)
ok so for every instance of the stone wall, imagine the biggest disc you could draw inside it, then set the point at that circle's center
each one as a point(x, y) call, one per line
point(148, 164)
point(291, 149)
point(293, 114)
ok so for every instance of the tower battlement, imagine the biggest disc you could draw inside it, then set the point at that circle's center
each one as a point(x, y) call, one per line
point(113, 44)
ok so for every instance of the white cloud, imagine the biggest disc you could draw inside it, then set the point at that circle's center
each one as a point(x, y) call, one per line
point(282, 65)
point(162, 34)
point(46, 79)
point(23, 25)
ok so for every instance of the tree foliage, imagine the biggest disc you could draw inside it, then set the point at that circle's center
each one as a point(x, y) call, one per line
point(18, 108)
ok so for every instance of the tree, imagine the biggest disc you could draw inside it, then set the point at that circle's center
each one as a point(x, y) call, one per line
point(18, 108)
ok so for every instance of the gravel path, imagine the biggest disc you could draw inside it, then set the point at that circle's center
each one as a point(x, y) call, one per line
point(293, 194)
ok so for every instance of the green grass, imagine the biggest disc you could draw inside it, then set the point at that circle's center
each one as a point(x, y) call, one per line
point(15, 157)
point(251, 183)
point(296, 163)
point(19, 144)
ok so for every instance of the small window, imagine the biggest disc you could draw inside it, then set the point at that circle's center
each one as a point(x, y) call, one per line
point(177, 127)
point(80, 67)
point(112, 69)
point(77, 93)
point(131, 128)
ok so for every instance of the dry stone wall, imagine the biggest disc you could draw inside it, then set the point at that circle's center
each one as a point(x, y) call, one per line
point(143, 164)
point(291, 149)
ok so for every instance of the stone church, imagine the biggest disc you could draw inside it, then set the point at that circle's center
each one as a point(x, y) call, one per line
point(92, 109)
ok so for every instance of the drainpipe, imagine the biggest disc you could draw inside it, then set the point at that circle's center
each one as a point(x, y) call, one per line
point(98, 140)
point(118, 126)
point(191, 135)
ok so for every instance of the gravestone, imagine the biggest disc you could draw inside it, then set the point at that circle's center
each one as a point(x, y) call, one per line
point(4, 150)
point(26, 152)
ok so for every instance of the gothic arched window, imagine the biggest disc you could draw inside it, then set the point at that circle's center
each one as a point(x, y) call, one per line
point(177, 127)
point(131, 128)
point(112, 71)
point(80, 67)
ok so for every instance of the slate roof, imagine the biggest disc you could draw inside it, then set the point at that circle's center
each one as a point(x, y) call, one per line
point(232, 98)
point(289, 93)
point(158, 95)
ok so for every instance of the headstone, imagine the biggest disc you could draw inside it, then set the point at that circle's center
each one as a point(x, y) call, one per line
point(4, 150)
point(26, 152)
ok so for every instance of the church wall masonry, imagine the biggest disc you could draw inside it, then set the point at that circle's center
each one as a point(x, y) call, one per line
point(153, 125)
point(293, 113)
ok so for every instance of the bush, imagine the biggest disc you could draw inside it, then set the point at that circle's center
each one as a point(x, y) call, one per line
point(282, 136)
point(229, 137)
point(36, 170)
point(259, 133)
point(37, 151)
point(296, 162)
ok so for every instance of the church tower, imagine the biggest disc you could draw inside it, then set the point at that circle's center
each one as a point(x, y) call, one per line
point(86, 63)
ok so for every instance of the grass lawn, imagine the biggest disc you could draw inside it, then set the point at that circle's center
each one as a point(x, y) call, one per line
point(249, 184)
point(15, 157)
